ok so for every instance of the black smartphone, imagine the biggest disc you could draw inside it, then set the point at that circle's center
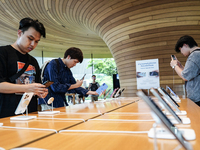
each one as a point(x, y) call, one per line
point(48, 83)
point(174, 58)
point(83, 77)
point(120, 93)
point(115, 92)
point(170, 97)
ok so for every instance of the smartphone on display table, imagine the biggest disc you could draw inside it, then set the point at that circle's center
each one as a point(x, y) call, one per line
point(171, 91)
point(26, 98)
point(170, 96)
point(107, 93)
point(165, 104)
point(161, 118)
point(117, 93)
point(117, 89)
point(113, 93)
point(120, 93)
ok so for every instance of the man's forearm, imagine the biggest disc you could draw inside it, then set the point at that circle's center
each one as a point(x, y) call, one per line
point(6, 87)
point(73, 86)
point(179, 71)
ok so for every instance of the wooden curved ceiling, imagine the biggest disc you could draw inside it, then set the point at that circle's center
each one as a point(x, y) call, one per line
point(127, 30)
point(64, 22)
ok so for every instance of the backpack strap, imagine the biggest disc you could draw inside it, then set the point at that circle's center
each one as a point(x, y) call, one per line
point(195, 50)
point(45, 65)
point(42, 69)
point(15, 76)
point(57, 65)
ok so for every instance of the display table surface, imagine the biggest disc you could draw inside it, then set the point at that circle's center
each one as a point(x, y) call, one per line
point(121, 123)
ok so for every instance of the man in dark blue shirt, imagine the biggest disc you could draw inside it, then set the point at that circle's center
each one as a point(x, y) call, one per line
point(63, 79)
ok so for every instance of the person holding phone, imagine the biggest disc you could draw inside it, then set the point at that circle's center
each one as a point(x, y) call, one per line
point(63, 79)
point(14, 58)
point(190, 73)
point(93, 87)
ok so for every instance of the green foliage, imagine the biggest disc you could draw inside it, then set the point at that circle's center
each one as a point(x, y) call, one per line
point(104, 66)
point(104, 70)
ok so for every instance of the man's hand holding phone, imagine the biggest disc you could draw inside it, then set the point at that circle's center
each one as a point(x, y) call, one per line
point(173, 57)
point(47, 84)
point(174, 61)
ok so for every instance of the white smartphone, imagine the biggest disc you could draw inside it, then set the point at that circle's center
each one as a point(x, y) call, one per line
point(26, 98)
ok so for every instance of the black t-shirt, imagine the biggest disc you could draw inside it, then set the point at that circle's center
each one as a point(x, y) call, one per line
point(11, 61)
point(94, 86)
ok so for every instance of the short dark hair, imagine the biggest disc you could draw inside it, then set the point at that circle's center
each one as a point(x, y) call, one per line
point(93, 75)
point(74, 53)
point(186, 39)
point(26, 23)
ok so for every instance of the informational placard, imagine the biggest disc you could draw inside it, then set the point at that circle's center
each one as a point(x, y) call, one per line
point(147, 74)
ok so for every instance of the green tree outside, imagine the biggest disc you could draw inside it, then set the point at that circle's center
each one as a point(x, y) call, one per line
point(104, 70)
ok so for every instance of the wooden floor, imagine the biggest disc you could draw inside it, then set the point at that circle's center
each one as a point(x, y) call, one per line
point(113, 124)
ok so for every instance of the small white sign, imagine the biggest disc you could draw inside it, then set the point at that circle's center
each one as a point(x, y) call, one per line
point(147, 74)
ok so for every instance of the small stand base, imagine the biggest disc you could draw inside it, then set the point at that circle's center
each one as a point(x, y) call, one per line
point(178, 113)
point(184, 121)
point(1, 124)
point(161, 133)
point(23, 118)
point(48, 112)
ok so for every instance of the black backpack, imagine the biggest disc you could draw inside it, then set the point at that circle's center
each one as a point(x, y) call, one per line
point(94, 86)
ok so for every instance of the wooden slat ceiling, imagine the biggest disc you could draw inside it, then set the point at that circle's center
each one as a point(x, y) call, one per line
point(127, 30)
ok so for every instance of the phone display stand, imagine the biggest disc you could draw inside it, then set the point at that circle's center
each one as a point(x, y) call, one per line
point(162, 133)
point(169, 131)
point(117, 94)
point(153, 133)
point(175, 119)
point(107, 94)
point(177, 99)
point(184, 120)
point(181, 113)
point(51, 112)
point(22, 107)
point(155, 139)
point(178, 112)
point(22, 118)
